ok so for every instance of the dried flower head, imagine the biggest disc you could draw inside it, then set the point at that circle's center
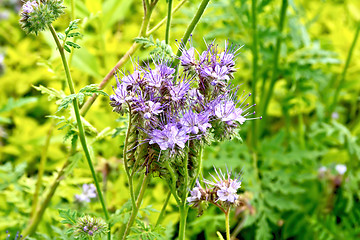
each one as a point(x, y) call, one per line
point(36, 15)
point(90, 227)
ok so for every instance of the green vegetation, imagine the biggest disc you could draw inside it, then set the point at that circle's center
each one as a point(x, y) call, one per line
point(299, 60)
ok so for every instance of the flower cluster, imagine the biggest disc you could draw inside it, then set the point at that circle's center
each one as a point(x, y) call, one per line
point(222, 191)
point(89, 192)
point(36, 15)
point(176, 108)
point(90, 227)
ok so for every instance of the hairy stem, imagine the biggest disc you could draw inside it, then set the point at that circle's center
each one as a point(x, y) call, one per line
point(79, 122)
point(191, 27)
point(343, 74)
point(274, 76)
point(125, 160)
point(183, 215)
point(42, 169)
point(163, 209)
point(168, 22)
point(135, 211)
point(36, 218)
point(227, 223)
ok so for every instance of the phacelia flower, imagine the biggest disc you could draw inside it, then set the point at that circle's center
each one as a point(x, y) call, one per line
point(36, 15)
point(169, 137)
point(341, 169)
point(89, 192)
point(226, 186)
point(18, 236)
point(88, 226)
point(195, 194)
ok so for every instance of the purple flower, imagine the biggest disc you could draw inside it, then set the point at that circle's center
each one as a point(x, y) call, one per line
point(195, 194)
point(217, 74)
point(179, 91)
point(192, 122)
point(152, 108)
point(227, 112)
point(227, 187)
point(188, 58)
point(164, 70)
point(89, 191)
point(29, 6)
point(153, 79)
point(132, 79)
point(170, 137)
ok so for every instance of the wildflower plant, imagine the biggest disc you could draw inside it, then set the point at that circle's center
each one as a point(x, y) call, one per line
point(176, 104)
point(221, 192)
point(174, 113)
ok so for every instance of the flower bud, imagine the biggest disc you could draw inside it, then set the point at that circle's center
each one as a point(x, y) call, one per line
point(36, 15)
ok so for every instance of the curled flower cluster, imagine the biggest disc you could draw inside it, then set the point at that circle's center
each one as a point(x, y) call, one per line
point(89, 192)
point(197, 104)
point(36, 15)
point(222, 191)
point(90, 227)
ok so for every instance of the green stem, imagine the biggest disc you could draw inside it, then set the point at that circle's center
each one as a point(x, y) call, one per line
point(173, 182)
point(276, 62)
point(163, 209)
point(41, 169)
point(135, 211)
point(343, 74)
point(183, 216)
point(227, 223)
point(254, 68)
point(168, 22)
point(36, 218)
point(79, 123)
point(130, 179)
point(190, 29)
point(199, 172)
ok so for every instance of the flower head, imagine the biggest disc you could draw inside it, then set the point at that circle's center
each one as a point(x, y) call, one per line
point(89, 192)
point(89, 226)
point(37, 15)
point(226, 187)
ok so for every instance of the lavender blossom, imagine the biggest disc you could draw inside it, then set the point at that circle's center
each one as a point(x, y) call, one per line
point(89, 192)
point(169, 137)
point(226, 186)
point(29, 6)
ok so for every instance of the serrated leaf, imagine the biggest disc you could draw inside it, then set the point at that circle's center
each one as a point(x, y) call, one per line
point(68, 215)
point(263, 231)
point(66, 101)
point(52, 92)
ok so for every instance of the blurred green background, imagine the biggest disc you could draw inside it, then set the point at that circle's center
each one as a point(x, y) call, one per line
point(290, 181)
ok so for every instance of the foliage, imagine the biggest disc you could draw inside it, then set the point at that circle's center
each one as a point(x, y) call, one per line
point(286, 194)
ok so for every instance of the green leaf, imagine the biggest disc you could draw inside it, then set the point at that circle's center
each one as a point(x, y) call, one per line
point(67, 49)
point(72, 44)
point(72, 26)
point(52, 92)
point(75, 34)
point(61, 36)
point(74, 159)
point(69, 216)
point(263, 231)
point(66, 101)
point(11, 104)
